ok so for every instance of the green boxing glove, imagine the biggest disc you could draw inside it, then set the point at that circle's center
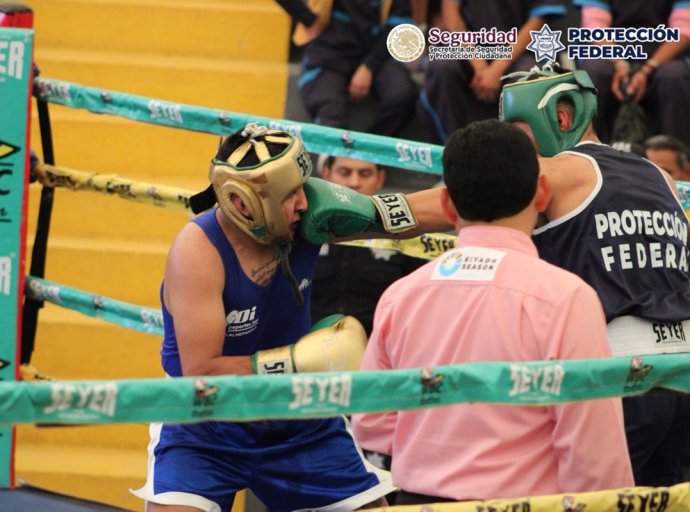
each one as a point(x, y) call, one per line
point(340, 211)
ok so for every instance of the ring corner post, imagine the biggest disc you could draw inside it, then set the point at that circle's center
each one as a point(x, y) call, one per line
point(16, 81)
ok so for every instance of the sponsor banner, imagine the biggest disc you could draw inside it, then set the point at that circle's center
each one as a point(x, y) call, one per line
point(16, 49)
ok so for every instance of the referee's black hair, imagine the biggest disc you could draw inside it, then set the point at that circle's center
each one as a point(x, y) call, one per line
point(491, 170)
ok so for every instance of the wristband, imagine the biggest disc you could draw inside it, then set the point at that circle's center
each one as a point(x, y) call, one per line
point(395, 212)
point(646, 70)
point(273, 360)
point(649, 67)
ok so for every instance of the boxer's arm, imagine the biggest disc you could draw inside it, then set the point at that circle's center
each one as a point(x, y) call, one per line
point(426, 207)
point(572, 178)
point(193, 295)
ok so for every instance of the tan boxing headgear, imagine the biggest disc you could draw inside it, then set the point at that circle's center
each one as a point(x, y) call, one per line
point(261, 186)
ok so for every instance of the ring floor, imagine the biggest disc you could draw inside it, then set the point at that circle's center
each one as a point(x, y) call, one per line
point(26, 498)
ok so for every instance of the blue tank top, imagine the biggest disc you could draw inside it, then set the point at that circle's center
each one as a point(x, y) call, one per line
point(257, 317)
point(628, 239)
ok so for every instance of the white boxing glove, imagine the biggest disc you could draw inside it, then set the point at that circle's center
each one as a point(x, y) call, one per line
point(335, 343)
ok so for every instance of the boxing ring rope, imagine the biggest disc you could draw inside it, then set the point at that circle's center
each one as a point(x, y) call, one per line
point(642, 499)
point(244, 398)
point(389, 151)
point(427, 246)
point(140, 318)
point(404, 154)
point(325, 394)
point(172, 198)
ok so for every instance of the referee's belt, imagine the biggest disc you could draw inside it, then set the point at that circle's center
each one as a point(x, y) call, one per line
point(634, 336)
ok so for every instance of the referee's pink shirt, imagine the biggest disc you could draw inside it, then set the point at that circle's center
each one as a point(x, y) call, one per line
point(518, 309)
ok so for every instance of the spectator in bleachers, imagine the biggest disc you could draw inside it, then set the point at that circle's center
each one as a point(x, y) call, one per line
point(670, 154)
point(348, 61)
point(350, 280)
point(660, 84)
point(451, 86)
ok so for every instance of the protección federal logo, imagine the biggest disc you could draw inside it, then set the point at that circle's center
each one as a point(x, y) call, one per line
point(598, 43)
point(545, 43)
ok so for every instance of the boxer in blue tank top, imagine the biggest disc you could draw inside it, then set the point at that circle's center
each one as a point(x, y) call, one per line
point(615, 220)
point(237, 283)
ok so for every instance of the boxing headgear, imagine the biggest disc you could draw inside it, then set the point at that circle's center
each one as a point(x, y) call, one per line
point(263, 184)
point(534, 99)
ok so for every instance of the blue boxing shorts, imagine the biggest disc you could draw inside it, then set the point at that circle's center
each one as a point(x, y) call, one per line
point(289, 465)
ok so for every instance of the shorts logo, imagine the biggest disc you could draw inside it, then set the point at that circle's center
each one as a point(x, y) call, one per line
point(545, 43)
point(241, 322)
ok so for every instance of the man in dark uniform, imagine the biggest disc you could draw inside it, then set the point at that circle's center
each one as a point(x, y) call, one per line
point(451, 86)
point(350, 280)
point(615, 220)
point(348, 60)
point(661, 83)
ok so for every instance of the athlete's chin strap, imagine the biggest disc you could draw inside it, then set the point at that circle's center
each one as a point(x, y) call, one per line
point(283, 249)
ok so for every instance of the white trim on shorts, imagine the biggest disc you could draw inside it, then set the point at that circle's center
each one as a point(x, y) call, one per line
point(168, 498)
point(356, 501)
point(634, 336)
point(384, 487)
